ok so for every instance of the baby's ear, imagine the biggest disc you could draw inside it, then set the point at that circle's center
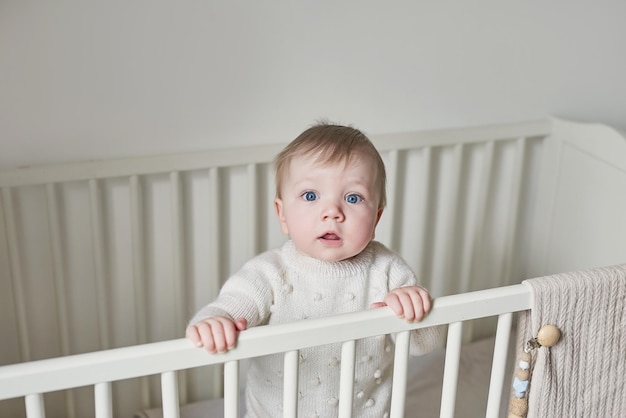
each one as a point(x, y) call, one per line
point(278, 206)
point(379, 214)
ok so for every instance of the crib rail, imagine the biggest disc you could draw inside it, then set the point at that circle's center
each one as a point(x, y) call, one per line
point(125, 167)
point(32, 379)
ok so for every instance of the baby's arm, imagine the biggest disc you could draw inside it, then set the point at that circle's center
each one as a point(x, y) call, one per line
point(216, 334)
point(244, 301)
point(409, 302)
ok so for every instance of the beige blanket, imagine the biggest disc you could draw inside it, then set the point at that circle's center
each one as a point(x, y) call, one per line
point(584, 374)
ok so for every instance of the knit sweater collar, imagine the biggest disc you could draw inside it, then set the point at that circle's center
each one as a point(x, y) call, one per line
point(350, 267)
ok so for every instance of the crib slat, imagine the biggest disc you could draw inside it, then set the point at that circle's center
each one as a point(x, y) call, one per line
point(178, 273)
point(178, 269)
point(452, 212)
point(451, 370)
point(169, 393)
point(139, 279)
point(424, 192)
point(215, 233)
point(97, 228)
point(446, 236)
point(103, 400)
point(473, 236)
point(35, 407)
point(15, 271)
point(513, 210)
point(550, 164)
point(391, 167)
point(346, 380)
point(498, 367)
point(253, 218)
point(231, 389)
point(215, 229)
point(400, 368)
point(57, 267)
point(56, 244)
point(290, 389)
point(138, 249)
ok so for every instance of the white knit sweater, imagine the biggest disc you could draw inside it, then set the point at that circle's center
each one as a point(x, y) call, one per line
point(283, 285)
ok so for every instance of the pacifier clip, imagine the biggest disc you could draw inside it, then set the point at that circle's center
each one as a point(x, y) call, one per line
point(547, 336)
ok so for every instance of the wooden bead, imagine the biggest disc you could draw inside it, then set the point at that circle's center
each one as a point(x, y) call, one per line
point(524, 356)
point(518, 406)
point(522, 374)
point(548, 335)
point(512, 415)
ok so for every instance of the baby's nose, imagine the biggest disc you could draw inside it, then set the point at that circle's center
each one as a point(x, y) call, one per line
point(332, 211)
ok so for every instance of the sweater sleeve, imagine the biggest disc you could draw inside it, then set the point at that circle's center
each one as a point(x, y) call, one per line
point(247, 294)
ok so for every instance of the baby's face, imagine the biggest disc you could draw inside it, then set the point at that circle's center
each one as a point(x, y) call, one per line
point(329, 211)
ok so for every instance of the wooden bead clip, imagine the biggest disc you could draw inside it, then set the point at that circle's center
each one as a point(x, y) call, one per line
point(547, 336)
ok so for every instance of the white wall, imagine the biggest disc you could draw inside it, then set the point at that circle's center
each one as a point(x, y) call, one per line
point(84, 80)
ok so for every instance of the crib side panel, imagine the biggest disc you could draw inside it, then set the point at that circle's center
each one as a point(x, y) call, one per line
point(110, 254)
point(581, 205)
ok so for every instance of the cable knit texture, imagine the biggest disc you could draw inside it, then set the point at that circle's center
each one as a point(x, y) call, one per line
point(283, 285)
point(583, 375)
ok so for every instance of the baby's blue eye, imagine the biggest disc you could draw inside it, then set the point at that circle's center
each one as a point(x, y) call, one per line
point(353, 198)
point(310, 196)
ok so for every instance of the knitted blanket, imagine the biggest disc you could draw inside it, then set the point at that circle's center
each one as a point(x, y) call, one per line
point(584, 374)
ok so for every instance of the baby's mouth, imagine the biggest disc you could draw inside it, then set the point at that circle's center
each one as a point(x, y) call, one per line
point(331, 236)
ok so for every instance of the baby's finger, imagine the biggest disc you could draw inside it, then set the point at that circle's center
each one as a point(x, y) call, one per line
point(192, 334)
point(223, 335)
point(417, 307)
point(421, 303)
point(231, 332)
point(204, 331)
point(392, 300)
point(426, 302)
point(241, 324)
point(408, 305)
point(377, 305)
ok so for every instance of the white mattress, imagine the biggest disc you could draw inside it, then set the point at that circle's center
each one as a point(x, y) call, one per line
point(423, 388)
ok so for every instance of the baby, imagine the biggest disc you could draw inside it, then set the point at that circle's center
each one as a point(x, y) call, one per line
point(330, 195)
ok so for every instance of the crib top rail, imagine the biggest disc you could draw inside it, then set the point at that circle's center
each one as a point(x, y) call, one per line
point(120, 167)
point(122, 363)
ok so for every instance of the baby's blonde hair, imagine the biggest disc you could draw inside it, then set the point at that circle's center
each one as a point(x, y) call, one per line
point(331, 144)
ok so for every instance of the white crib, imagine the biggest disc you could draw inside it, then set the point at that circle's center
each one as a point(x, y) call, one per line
point(106, 254)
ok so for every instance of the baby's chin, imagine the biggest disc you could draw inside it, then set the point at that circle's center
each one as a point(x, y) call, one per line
point(333, 256)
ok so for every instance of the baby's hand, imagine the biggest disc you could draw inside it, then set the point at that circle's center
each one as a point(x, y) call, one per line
point(408, 302)
point(217, 334)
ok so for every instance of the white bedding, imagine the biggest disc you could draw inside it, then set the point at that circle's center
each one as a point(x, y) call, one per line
point(423, 388)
